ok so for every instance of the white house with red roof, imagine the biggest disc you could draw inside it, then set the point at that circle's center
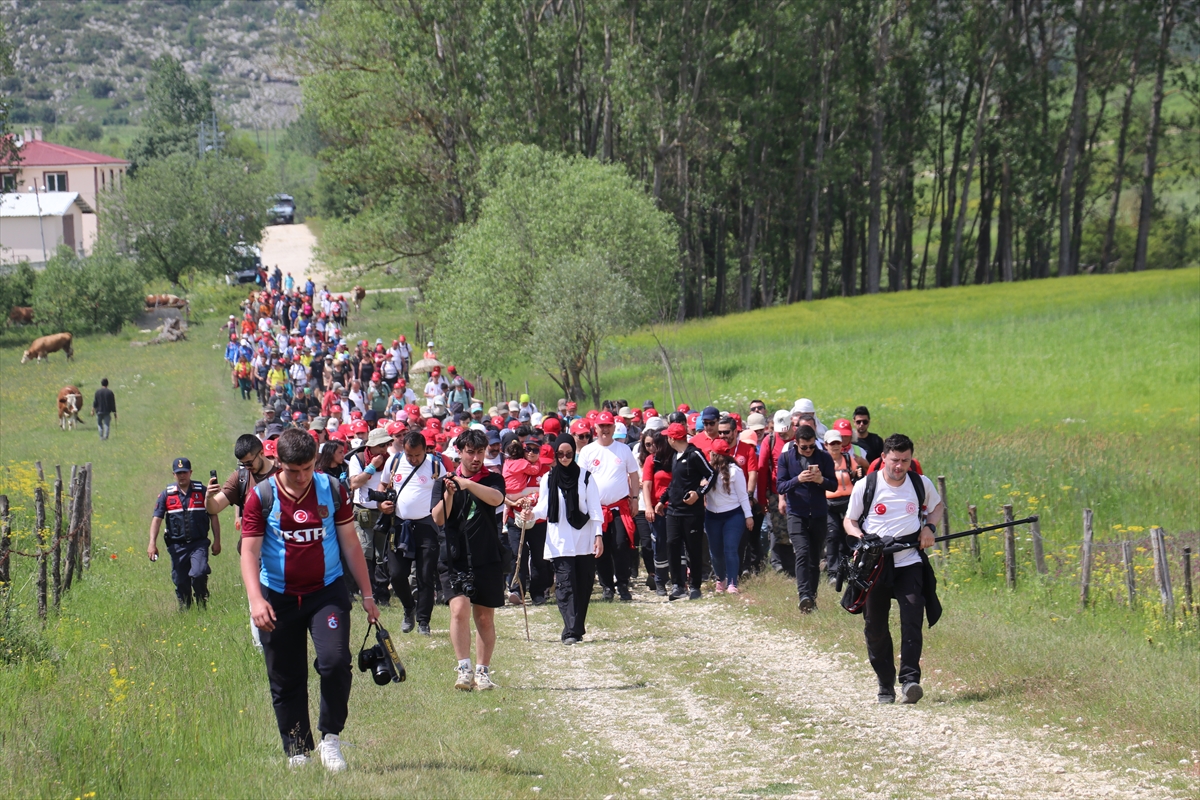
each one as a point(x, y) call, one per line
point(50, 172)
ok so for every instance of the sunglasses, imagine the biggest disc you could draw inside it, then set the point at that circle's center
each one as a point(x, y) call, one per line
point(533, 448)
point(249, 463)
point(565, 454)
point(806, 448)
point(708, 422)
point(862, 422)
point(587, 437)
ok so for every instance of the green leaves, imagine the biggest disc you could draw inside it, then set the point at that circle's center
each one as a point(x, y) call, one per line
point(96, 293)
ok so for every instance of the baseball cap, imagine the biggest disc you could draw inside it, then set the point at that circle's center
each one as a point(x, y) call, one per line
point(676, 431)
point(804, 406)
point(605, 418)
point(650, 413)
point(833, 435)
point(535, 419)
point(620, 430)
point(719, 446)
point(378, 438)
point(274, 431)
point(524, 398)
point(572, 405)
point(647, 404)
point(181, 465)
point(783, 421)
point(358, 427)
point(842, 426)
point(684, 407)
point(476, 406)
point(318, 424)
point(551, 426)
point(580, 426)
point(513, 405)
point(710, 413)
point(756, 422)
point(270, 449)
point(395, 428)
point(625, 413)
point(370, 416)
point(493, 437)
point(656, 423)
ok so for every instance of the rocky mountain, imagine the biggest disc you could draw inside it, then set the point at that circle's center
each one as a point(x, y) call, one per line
point(89, 60)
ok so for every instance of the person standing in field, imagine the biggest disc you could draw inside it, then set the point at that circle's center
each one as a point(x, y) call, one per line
point(804, 474)
point(181, 504)
point(615, 471)
point(296, 528)
point(872, 443)
point(104, 407)
point(903, 507)
point(691, 479)
point(726, 513)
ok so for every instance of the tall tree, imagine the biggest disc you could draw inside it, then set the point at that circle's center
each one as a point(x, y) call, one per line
point(1162, 56)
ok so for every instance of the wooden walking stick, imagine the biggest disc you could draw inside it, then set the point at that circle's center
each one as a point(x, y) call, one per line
point(517, 569)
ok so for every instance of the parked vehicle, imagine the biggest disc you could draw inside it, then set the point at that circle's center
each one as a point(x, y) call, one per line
point(249, 265)
point(283, 211)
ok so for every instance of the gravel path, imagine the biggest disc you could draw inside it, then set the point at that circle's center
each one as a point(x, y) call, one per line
point(700, 699)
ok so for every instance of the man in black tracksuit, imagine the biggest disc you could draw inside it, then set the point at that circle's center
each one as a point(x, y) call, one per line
point(691, 478)
point(803, 476)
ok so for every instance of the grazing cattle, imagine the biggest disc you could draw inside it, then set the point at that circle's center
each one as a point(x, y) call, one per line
point(20, 315)
point(70, 400)
point(360, 294)
point(154, 301)
point(43, 346)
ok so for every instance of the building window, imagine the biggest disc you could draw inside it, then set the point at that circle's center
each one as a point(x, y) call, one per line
point(56, 181)
point(8, 182)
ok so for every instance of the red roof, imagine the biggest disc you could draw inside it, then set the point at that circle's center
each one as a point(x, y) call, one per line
point(47, 154)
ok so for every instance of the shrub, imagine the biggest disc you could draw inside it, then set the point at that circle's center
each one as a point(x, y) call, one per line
point(100, 88)
point(88, 131)
point(99, 293)
point(16, 287)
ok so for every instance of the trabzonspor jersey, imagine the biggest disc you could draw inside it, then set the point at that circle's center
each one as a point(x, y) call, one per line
point(300, 552)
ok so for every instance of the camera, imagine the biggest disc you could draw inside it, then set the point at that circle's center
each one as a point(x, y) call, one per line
point(376, 496)
point(380, 659)
point(463, 583)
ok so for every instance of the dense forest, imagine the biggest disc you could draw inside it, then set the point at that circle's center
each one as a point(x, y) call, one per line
point(804, 148)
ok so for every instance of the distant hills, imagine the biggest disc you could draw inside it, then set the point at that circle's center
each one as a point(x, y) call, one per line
point(89, 60)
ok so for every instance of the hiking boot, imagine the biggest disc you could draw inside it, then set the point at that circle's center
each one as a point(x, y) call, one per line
point(911, 693)
point(483, 679)
point(515, 599)
point(694, 594)
point(410, 622)
point(299, 760)
point(423, 628)
point(466, 679)
point(624, 594)
point(661, 591)
point(677, 593)
point(330, 750)
point(650, 583)
point(720, 586)
point(607, 595)
point(539, 600)
point(570, 640)
point(807, 605)
point(885, 698)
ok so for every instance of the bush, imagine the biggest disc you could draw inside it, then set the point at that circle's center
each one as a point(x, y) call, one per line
point(96, 293)
point(100, 88)
point(88, 131)
point(16, 287)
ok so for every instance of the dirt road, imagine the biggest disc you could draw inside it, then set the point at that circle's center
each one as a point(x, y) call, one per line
point(290, 247)
point(712, 703)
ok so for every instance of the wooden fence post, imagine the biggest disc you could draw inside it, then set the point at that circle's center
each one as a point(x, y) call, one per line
point(1039, 552)
point(87, 519)
point(1085, 560)
point(1187, 581)
point(1130, 579)
point(39, 522)
point(1162, 571)
point(972, 513)
point(56, 545)
point(74, 518)
point(41, 475)
point(944, 546)
point(5, 539)
point(1010, 549)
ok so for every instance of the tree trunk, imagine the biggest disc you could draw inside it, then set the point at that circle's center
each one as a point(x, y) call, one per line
point(796, 284)
point(849, 256)
point(876, 175)
point(1074, 139)
point(1151, 161)
point(951, 195)
point(1004, 228)
point(819, 156)
point(719, 263)
point(966, 192)
point(1106, 253)
point(983, 239)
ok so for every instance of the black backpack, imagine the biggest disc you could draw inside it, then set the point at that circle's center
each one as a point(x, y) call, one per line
point(869, 493)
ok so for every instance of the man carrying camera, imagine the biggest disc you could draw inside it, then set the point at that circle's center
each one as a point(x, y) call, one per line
point(471, 568)
point(902, 507)
point(406, 499)
point(364, 467)
point(295, 528)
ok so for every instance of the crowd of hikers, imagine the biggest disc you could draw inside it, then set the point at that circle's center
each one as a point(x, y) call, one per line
point(476, 508)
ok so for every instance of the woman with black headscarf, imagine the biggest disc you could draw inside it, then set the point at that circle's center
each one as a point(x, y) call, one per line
point(570, 504)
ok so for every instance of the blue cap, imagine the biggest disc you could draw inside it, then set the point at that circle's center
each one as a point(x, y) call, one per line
point(181, 465)
point(710, 412)
point(493, 437)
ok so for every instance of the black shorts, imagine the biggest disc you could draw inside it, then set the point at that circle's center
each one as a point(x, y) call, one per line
point(489, 585)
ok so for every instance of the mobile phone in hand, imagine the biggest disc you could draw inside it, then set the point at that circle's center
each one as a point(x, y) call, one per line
point(212, 476)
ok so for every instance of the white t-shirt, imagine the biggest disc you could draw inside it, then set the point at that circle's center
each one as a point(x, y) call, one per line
point(894, 512)
point(360, 494)
point(416, 500)
point(610, 467)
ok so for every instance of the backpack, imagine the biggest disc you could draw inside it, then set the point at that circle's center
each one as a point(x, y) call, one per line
point(869, 493)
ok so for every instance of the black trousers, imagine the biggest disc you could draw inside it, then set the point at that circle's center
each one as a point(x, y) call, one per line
point(375, 548)
point(644, 540)
point(612, 567)
point(189, 569)
point(808, 542)
point(686, 533)
point(837, 545)
point(574, 577)
point(531, 565)
point(907, 588)
point(783, 558)
point(325, 616)
point(425, 556)
point(750, 550)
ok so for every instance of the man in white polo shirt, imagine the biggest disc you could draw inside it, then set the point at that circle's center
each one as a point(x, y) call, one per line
point(615, 470)
point(897, 509)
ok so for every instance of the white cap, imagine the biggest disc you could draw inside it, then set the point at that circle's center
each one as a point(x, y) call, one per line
point(535, 419)
point(783, 421)
point(804, 406)
point(832, 435)
point(625, 413)
point(619, 430)
point(430, 344)
point(656, 424)
point(513, 405)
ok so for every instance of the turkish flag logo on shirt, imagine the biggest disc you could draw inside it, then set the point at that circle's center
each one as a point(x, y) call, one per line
point(300, 515)
point(880, 509)
point(911, 508)
point(596, 462)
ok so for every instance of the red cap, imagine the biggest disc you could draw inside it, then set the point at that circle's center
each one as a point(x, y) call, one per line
point(551, 426)
point(430, 437)
point(650, 412)
point(572, 405)
point(450, 368)
point(719, 446)
point(684, 407)
point(413, 410)
point(395, 342)
point(591, 415)
point(581, 426)
point(270, 448)
point(402, 384)
point(395, 428)
point(842, 426)
point(355, 415)
point(433, 422)
point(498, 422)
point(605, 418)
point(513, 424)
point(676, 431)
point(316, 436)
point(358, 427)
point(337, 436)
point(402, 339)
point(375, 376)
point(691, 418)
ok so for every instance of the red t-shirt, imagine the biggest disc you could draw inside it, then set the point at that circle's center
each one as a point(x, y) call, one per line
point(745, 456)
point(304, 555)
point(659, 480)
point(703, 441)
point(768, 460)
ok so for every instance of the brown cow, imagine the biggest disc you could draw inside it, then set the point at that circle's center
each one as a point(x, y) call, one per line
point(360, 294)
point(20, 315)
point(43, 346)
point(70, 400)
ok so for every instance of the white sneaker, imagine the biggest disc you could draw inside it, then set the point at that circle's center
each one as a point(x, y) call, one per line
point(466, 679)
point(330, 750)
point(299, 760)
point(483, 679)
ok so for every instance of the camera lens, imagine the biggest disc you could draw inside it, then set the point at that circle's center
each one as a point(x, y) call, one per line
point(381, 676)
